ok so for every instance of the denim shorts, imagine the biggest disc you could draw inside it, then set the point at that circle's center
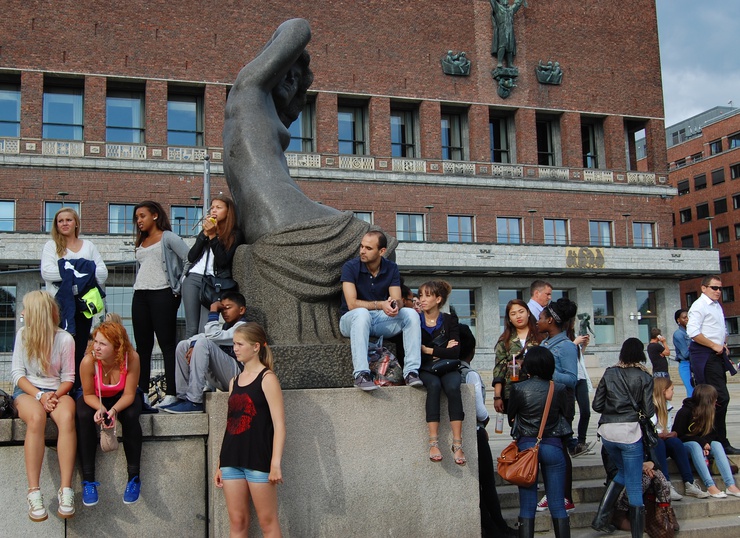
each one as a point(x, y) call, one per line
point(240, 473)
point(18, 391)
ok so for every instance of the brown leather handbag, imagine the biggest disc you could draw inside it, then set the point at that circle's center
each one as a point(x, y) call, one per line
point(520, 468)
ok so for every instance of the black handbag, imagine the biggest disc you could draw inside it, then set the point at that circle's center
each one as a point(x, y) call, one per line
point(443, 366)
point(649, 435)
point(212, 287)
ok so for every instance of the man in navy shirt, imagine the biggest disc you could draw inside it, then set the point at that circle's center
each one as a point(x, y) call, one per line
point(371, 306)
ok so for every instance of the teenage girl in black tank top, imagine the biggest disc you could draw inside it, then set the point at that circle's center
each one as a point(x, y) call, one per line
point(252, 448)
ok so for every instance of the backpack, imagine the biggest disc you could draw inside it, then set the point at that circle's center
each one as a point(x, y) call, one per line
point(7, 409)
point(384, 367)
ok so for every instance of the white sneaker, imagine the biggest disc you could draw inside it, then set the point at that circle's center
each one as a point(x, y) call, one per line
point(693, 489)
point(675, 495)
point(66, 497)
point(36, 509)
point(168, 400)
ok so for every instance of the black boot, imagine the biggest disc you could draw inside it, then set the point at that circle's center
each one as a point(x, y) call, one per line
point(637, 520)
point(561, 527)
point(526, 528)
point(603, 519)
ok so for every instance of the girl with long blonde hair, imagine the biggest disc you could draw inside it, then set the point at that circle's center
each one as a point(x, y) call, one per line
point(43, 371)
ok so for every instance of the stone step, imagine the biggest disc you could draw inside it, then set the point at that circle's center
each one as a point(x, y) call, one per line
point(724, 526)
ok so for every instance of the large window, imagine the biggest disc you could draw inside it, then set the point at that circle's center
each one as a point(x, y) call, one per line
point(728, 294)
point(715, 147)
point(647, 306)
point(725, 264)
point(367, 216)
point(50, 209)
point(459, 229)
point(723, 234)
point(462, 300)
point(124, 116)
point(548, 140)
point(556, 232)
point(453, 136)
point(600, 233)
point(121, 218)
point(498, 132)
point(736, 201)
point(734, 171)
point(683, 187)
point(7, 216)
point(718, 176)
point(700, 182)
point(508, 230)
point(409, 227)
point(184, 117)
point(352, 130)
point(504, 296)
point(62, 112)
point(643, 234)
point(185, 220)
point(720, 206)
point(403, 136)
point(685, 215)
point(10, 110)
point(731, 324)
point(302, 131)
point(604, 321)
point(7, 319)
point(733, 141)
point(702, 211)
point(118, 299)
point(737, 231)
point(592, 141)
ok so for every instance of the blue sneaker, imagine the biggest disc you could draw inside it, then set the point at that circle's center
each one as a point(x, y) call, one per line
point(133, 488)
point(90, 493)
point(184, 406)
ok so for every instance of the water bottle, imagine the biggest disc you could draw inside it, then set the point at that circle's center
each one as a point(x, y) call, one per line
point(499, 423)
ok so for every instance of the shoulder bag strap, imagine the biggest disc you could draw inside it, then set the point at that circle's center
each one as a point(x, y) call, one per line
point(546, 412)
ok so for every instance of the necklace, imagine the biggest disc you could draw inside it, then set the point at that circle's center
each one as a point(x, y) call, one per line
point(106, 373)
point(431, 322)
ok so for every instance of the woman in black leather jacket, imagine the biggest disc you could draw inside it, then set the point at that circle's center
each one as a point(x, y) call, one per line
point(526, 407)
point(620, 431)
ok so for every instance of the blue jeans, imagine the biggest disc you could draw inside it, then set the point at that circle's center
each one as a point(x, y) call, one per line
point(718, 452)
point(674, 448)
point(628, 458)
point(552, 468)
point(360, 324)
point(684, 370)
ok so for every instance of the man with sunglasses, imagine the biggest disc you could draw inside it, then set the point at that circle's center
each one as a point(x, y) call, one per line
point(708, 350)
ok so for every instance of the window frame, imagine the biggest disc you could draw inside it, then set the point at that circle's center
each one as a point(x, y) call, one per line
point(723, 234)
point(121, 226)
point(509, 231)
point(715, 147)
point(7, 215)
point(500, 146)
point(643, 240)
point(552, 236)
point(136, 128)
point(59, 99)
point(596, 230)
point(547, 132)
point(607, 318)
point(10, 124)
point(358, 126)
point(194, 96)
point(303, 131)
point(718, 176)
point(408, 231)
point(720, 205)
point(186, 225)
point(684, 215)
point(700, 182)
point(701, 209)
point(454, 136)
point(459, 235)
point(405, 126)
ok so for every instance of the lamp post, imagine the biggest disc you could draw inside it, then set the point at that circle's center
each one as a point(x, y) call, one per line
point(711, 241)
point(195, 207)
point(626, 229)
point(531, 231)
point(429, 221)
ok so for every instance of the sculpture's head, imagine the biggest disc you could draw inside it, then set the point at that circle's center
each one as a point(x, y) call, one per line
point(290, 93)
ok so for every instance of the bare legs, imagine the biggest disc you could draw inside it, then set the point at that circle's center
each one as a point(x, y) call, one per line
point(264, 497)
point(434, 453)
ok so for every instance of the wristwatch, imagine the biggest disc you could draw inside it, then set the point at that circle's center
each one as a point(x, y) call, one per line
point(39, 394)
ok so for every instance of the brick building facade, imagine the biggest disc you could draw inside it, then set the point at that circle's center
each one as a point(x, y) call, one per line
point(108, 107)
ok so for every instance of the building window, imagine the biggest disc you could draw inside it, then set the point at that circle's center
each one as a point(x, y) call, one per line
point(731, 325)
point(683, 187)
point(504, 296)
point(702, 211)
point(736, 201)
point(498, 132)
point(403, 133)
point(737, 231)
point(720, 206)
point(7, 216)
point(642, 234)
point(121, 218)
point(556, 231)
point(409, 227)
point(508, 230)
point(459, 229)
point(302, 132)
point(691, 296)
point(184, 117)
point(723, 235)
point(351, 128)
point(718, 176)
point(185, 219)
point(463, 302)
point(725, 265)
point(700, 182)
point(735, 171)
point(118, 299)
point(703, 239)
point(10, 110)
point(647, 306)
point(697, 157)
point(50, 209)
point(7, 319)
point(548, 140)
point(680, 163)
point(687, 241)
point(733, 141)
point(62, 112)
point(367, 216)
point(728, 294)
point(684, 215)
point(604, 321)
point(453, 135)
point(600, 233)
point(592, 141)
point(124, 117)
point(715, 147)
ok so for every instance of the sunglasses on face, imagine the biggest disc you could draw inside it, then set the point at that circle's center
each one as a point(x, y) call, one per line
point(715, 288)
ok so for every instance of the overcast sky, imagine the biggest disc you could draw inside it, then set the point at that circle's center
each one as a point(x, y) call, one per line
point(700, 55)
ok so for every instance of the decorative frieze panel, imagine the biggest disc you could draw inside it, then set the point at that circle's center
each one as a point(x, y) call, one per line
point(599, 176)
point(357, 163)
point(305, 160)
point(186, 154)
point(458, 169)
point(645, 178)
point(9, 145)
point(553, 173)
point(125, 151)
point(58, 148)
point(507, 170)
point(409, 165)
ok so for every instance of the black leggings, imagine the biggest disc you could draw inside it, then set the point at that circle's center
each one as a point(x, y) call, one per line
point(492, 522)
point(81, 336)
point(434, 384)
point(87, 435)
point(155, 312)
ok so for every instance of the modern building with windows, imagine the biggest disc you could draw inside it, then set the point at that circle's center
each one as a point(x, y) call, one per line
point(100, 109)
point(704, 161)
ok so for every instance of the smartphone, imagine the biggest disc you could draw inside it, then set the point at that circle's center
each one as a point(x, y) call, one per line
point(107, 420)
point(394, 304)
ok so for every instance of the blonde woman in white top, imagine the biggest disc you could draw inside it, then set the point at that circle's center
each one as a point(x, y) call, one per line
point(43, 373)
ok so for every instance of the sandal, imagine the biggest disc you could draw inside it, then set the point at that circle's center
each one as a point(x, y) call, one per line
point(434, 443)
point(457, 445)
